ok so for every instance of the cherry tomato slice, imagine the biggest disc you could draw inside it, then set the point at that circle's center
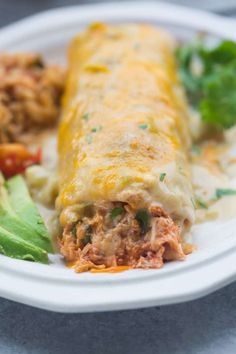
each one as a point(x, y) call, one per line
point(15, 158)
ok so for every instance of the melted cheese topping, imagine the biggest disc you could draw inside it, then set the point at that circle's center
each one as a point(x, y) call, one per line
point(124, 123)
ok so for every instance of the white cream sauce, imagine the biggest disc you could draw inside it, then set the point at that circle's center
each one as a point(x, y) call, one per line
point(214, 168)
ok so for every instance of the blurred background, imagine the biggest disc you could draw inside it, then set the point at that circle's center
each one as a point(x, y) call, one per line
point(11, 10)
point(204, 326)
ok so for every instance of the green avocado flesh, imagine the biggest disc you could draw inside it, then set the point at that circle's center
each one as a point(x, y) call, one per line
point(27, 211)
point(23, 234)
point(13, 246)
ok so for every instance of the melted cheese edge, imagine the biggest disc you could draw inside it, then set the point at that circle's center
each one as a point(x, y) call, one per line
point(125, 123)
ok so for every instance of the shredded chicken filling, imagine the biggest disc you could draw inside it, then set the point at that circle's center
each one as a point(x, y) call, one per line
point(113, 234)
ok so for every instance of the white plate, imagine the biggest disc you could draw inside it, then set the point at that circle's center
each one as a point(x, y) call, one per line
point(57, 288)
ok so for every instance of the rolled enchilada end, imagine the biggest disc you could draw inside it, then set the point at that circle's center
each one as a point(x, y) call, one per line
point(116, 235)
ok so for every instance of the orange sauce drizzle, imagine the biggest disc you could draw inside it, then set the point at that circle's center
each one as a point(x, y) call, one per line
point(110, 269)
point(70, 264)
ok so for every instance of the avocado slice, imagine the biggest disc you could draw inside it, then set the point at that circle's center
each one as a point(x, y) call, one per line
point(11, 222)
point(27, 211)
point(13, 246)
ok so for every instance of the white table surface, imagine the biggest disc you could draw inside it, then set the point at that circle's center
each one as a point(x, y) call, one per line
point(205, 326)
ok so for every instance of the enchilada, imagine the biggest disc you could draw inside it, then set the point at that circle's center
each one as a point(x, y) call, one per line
point(125, 196)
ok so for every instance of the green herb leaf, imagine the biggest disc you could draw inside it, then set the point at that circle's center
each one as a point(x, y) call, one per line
point(143, 218)
point(186, 55)
point(38, 63)
point(200, 204)
point(221, 55)
point(85, 116)
point(162, 176)
point(196, 150)
point(96, 129)
point(222, 192)
point(86, 240)
point(218, 105)
point(88, 235)
point(116, 212)
point(213, 89)
point(89, 138)
point(143, 126)
point(193, 203)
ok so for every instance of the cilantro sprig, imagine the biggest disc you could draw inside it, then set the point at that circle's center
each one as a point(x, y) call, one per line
point(212, 87)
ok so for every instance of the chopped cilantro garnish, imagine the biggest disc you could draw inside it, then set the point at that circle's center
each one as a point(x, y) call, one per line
point(162, 176)
point(196, 150)
point(200, 204)
point(38, 63)
point(116, 212)
point(88, 235)
point(85, 116)
point(222, 192)
point(96, 129)
point(193, 203)
point(143, 218)
point(143, 126)
point(89, 138)
point(86, 240)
